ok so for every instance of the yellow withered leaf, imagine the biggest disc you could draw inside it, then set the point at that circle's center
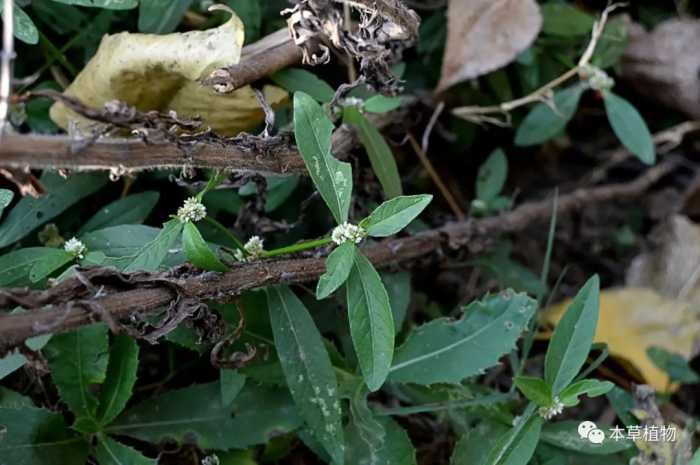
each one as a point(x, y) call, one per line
point(634, 319)
point(160, 72)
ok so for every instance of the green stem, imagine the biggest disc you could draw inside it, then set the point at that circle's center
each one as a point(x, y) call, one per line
point(297, 247)
point(225, 230)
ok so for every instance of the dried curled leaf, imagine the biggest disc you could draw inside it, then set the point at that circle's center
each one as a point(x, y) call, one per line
point(484, 35)
point(160, 72)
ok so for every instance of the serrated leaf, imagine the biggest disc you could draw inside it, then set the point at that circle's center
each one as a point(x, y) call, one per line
point(16, 266)
point(534, 389)
point(24, 28)
point(378, 151)
point(232, 381)
point(371, 322)
point(300, 80)
point(38, 437)
point(447, 351)
point(196, 414)
point(572, 338)
point(492, 176)
point(544, 122)
point(332, 178)
point(307, 368)
point(30, 213)
point(111, 452)
point(133, 209)
point(338, 266)
point(151, 255)
point(197, 250)
point(564, 434)
point(107, 4)
point(78, 359)
point(6, 197)
point(591, 387)
point(120, 379)
point(395, 214)
point(161, 16)
point(629, 127)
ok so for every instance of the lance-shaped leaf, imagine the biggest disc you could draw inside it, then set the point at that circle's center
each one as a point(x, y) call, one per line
point(591, 387)
point(395, 214)
point(25, 266)
point(121, 376)
point(572, 338)
point(447, 351)
point(380, 155)
point(516, 446)
point(332, 178)
point(307, 368)
point(133, 209)
point(197, 250)
point(152, 254)
point(111, 452)
point(338, 266)
point(629, 127)
point(546, 120)
point(78, 359)
point(38, 437)
point(371, 322)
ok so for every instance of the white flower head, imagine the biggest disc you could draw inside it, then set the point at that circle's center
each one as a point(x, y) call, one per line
point(554, 409)
point(75, 247)
point(597, 78)
point(348, 232)
point(254, 249)
point(192, 210)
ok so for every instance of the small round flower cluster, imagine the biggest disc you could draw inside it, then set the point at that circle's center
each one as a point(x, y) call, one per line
point(75, 247)
point(597, 78)
point(554, 409)
point(348, 232)
point(192, 210)
point(254, 249)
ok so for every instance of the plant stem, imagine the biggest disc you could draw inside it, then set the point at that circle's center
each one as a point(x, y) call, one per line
point(225, 230)
point(298, 247)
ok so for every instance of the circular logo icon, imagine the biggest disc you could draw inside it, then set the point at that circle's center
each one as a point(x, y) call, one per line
point(585, 427)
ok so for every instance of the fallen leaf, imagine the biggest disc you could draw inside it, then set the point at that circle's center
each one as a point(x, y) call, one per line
point(660, 305)
point(161, 72)
point(484, 35)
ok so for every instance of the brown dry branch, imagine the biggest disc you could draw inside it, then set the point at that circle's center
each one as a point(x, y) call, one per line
point(99, 292)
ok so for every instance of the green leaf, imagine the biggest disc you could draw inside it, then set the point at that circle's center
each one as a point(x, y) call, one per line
point(591, 387)
point(381, 104)
point(161, 16)
point(629, 127)
point(250, 12)
point(564, 434)
point(572, 338)
point(543, 122)
point(674, 364)
point(332, 178)
point(6, 197)
point(612, 43)
point(517, 446)
point(34, 436)
point(197, 250)
point(300, 80)
point(120, 379)
point(371, 322)
point(151, 255)
point(535, 389)
point(30, 213)
point(492, 176)
point(50, 262)
point(133, 209)
point(395, 446)
point(111, 452)
point(338, 266)
point(78, 359)
point(380, 155)
point(24, 28)
point(196, 414)
point(307, 368)
point(106, 4)
point(562, 19)
point(395, 214)
point(398, 287)
point(16, 266)
point(279, 188)
point(447, 351)
point(231, 384)
point(474, 446)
